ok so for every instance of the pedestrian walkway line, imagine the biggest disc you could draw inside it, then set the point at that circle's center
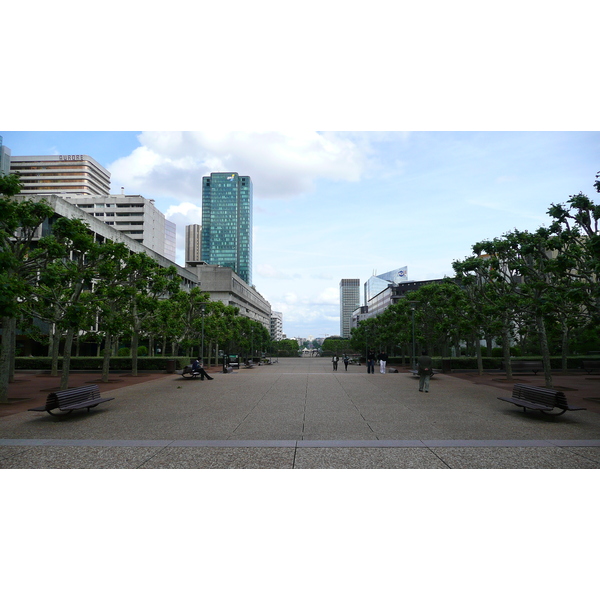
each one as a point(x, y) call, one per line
point(306, 443)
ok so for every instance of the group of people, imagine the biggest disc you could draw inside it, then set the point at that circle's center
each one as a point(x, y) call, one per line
point(425, 370)
point(336, 359)
point(424, 366)
point(382, 357)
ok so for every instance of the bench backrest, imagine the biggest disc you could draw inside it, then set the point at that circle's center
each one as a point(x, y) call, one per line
point(540, 395)
point(66, 398)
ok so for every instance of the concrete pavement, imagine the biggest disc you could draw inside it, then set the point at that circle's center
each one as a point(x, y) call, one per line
point(300, 414)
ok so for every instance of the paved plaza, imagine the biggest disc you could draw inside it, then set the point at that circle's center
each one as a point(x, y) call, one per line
point(299, 414)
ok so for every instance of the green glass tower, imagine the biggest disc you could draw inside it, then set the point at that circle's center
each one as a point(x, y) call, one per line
point(227, 222)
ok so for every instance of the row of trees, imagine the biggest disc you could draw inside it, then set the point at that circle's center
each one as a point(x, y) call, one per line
point(74, 284)
point(541, 289)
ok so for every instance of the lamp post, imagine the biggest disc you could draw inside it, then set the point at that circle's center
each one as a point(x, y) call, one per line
point(202, 347)
point(413, 303)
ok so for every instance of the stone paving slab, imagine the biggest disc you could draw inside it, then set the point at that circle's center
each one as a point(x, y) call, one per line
point(299, 405)
point(287, 456)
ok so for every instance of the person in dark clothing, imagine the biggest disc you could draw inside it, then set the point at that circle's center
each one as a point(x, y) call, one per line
point(370, 361)
point(346, 361)
point(335, 360)
point(197, 368)
point(425, 371)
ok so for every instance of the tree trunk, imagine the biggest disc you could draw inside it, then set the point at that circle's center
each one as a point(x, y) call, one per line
point(541, 327)
point(55, 351)
point(134, 353)
point(6, 352)
point(106, 357)
point(506, 352)
point(565, 349)
point(66, 364)
point(13, 345)
point(479, 357)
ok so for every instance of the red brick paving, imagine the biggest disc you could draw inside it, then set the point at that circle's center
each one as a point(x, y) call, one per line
point(30, 389)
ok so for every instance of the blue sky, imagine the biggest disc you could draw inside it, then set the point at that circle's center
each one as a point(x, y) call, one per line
point(333, 205)
point(375, 139)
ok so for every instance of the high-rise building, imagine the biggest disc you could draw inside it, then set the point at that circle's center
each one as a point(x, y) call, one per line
point(227, 222)
point(276, 326)
point(134, 216)
point(349, 302)
point(193, 243)
point(61, 174)
point(378, 283)
point(4, 159)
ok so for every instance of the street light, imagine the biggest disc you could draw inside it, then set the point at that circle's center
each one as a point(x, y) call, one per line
point(413, 304)
point(202, 347)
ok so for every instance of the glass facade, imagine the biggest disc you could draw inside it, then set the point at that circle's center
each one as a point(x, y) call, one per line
point(227, 222)
point(378, 283)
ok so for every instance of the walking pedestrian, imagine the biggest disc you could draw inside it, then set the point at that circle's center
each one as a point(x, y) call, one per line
point(425, 371)
point(382, 361)
point(335, 360)
point(346, 361)
point(370, 361)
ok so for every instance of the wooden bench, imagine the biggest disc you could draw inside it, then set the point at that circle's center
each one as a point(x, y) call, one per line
point(68, 400)
point(536, 398)
point(188, 372)
point(525, 366)
point(590, 365)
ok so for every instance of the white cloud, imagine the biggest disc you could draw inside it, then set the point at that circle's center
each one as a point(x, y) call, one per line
point(281, 164)
point(329, 296)
point(271, 272)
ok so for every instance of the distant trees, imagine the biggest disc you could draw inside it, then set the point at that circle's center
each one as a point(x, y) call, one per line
point(286, 347)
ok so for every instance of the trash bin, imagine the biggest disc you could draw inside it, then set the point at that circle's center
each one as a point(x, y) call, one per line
point(170, 366)
point(446, 365)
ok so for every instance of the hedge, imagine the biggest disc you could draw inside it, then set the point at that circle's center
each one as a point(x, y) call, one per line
point(94, 363)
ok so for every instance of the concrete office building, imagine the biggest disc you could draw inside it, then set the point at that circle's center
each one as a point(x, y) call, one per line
point(220, 282)
point(276, 326)
point(227, 222)
point(224, 285)
point(349, 302)
point(193, 243)
point(61, 174)
point(134, 216)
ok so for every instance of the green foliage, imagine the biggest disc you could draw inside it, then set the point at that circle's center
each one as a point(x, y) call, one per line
point(336, 345)
point(286, 347)
point(94, 363)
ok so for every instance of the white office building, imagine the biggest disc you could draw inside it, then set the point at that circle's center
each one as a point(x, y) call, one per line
point(61, 174)
point(134, 216)
point(276, 326)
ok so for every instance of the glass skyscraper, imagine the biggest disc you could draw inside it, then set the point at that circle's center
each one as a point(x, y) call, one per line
point(227, 222)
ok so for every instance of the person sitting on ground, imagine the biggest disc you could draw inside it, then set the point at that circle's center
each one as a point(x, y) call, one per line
point(197, 368)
